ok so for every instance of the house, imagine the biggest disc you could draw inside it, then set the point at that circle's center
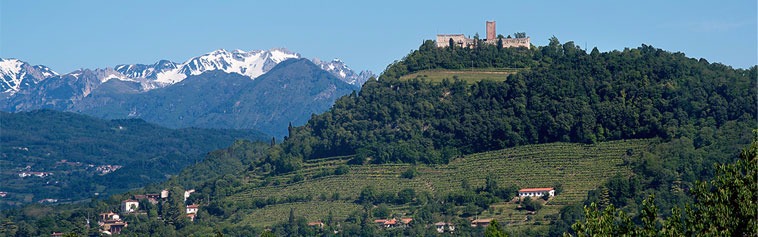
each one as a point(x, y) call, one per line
point(481, 222)
point(191, 216)
point(109, 216)
point(443, 227)
point(38, 174)
point(116, 227)
point(110, 223)
point(187, 194)
point(129, 205)
point(56, 234)
point(318, 224)
point(386, 223)
point(48, 200)
point(164, 194)
point(152, 198)
point(191, 209)
point(536, 192)
point(393, 223)
point(404, 222)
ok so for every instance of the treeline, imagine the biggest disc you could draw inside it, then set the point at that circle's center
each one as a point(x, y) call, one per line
point(569, 95)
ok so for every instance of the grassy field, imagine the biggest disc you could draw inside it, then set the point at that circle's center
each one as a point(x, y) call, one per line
point(468, 75)
point(577, 167)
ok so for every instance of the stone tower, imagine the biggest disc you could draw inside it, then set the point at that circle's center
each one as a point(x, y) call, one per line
point(491, 34)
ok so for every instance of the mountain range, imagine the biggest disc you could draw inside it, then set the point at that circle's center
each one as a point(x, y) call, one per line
point(102, 92)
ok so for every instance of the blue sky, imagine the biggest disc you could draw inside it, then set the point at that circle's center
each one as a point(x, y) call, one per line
point(67, 35)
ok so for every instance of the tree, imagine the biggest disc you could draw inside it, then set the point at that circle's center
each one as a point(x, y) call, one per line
point(410, 173)
point(724, 206)
point(494, 230)
point(531, 205)
point(368, 195)
point(174, 208)
point(382, 211)
point(267, 234)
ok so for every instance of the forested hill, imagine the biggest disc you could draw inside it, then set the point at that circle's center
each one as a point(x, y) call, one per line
point(81, 155)
point(565, 94)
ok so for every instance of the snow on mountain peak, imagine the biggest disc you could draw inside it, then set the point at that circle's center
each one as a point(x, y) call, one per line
point(16, 75)
point(339, 69)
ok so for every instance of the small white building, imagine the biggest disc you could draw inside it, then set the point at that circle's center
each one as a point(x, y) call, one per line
point(443, 227)
point(187, 194)
point(536, 192)
point(129, 206)
point(192, 208)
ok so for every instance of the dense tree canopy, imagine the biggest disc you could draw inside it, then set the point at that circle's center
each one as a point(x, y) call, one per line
point(566, 94)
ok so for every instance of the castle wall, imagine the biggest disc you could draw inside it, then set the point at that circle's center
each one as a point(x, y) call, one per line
point(460, 40)
point(516, 42)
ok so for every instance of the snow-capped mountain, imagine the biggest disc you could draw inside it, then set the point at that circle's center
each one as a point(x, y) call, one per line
point(17, 75)
point(339, 69)
point(27, 87)
point(247, 63)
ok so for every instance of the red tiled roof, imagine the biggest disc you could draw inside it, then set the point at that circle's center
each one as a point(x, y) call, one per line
point(380, 221)
point(390, 222)
point(192, 206)
point(130, 200)
point(315, 223)
point(535, 190)
point(406, 220)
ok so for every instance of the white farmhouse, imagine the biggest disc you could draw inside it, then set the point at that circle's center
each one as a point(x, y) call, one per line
point(129, 205)
point(536, 192)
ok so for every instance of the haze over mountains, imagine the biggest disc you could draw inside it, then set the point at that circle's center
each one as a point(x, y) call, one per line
point(214, 78)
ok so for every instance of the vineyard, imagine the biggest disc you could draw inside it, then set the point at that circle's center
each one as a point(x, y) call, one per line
point(578, 168)
point(468, 75)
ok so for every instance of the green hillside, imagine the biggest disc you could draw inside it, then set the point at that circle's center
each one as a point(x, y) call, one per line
point(81, 156)
point(578, 168)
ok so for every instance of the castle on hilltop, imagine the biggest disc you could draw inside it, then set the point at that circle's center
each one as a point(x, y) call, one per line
point(461, 40)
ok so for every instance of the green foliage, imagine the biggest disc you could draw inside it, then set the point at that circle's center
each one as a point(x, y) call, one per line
point(566, 95)
point(494, 230)
point(531, 205)
point(724, 206)
point(410, 173)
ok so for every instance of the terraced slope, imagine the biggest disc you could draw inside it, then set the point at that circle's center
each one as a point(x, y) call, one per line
point(577, 167)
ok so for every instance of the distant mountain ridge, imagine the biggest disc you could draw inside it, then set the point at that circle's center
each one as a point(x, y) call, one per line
point(288, 93)
point(161, 93)
point(252, 64)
